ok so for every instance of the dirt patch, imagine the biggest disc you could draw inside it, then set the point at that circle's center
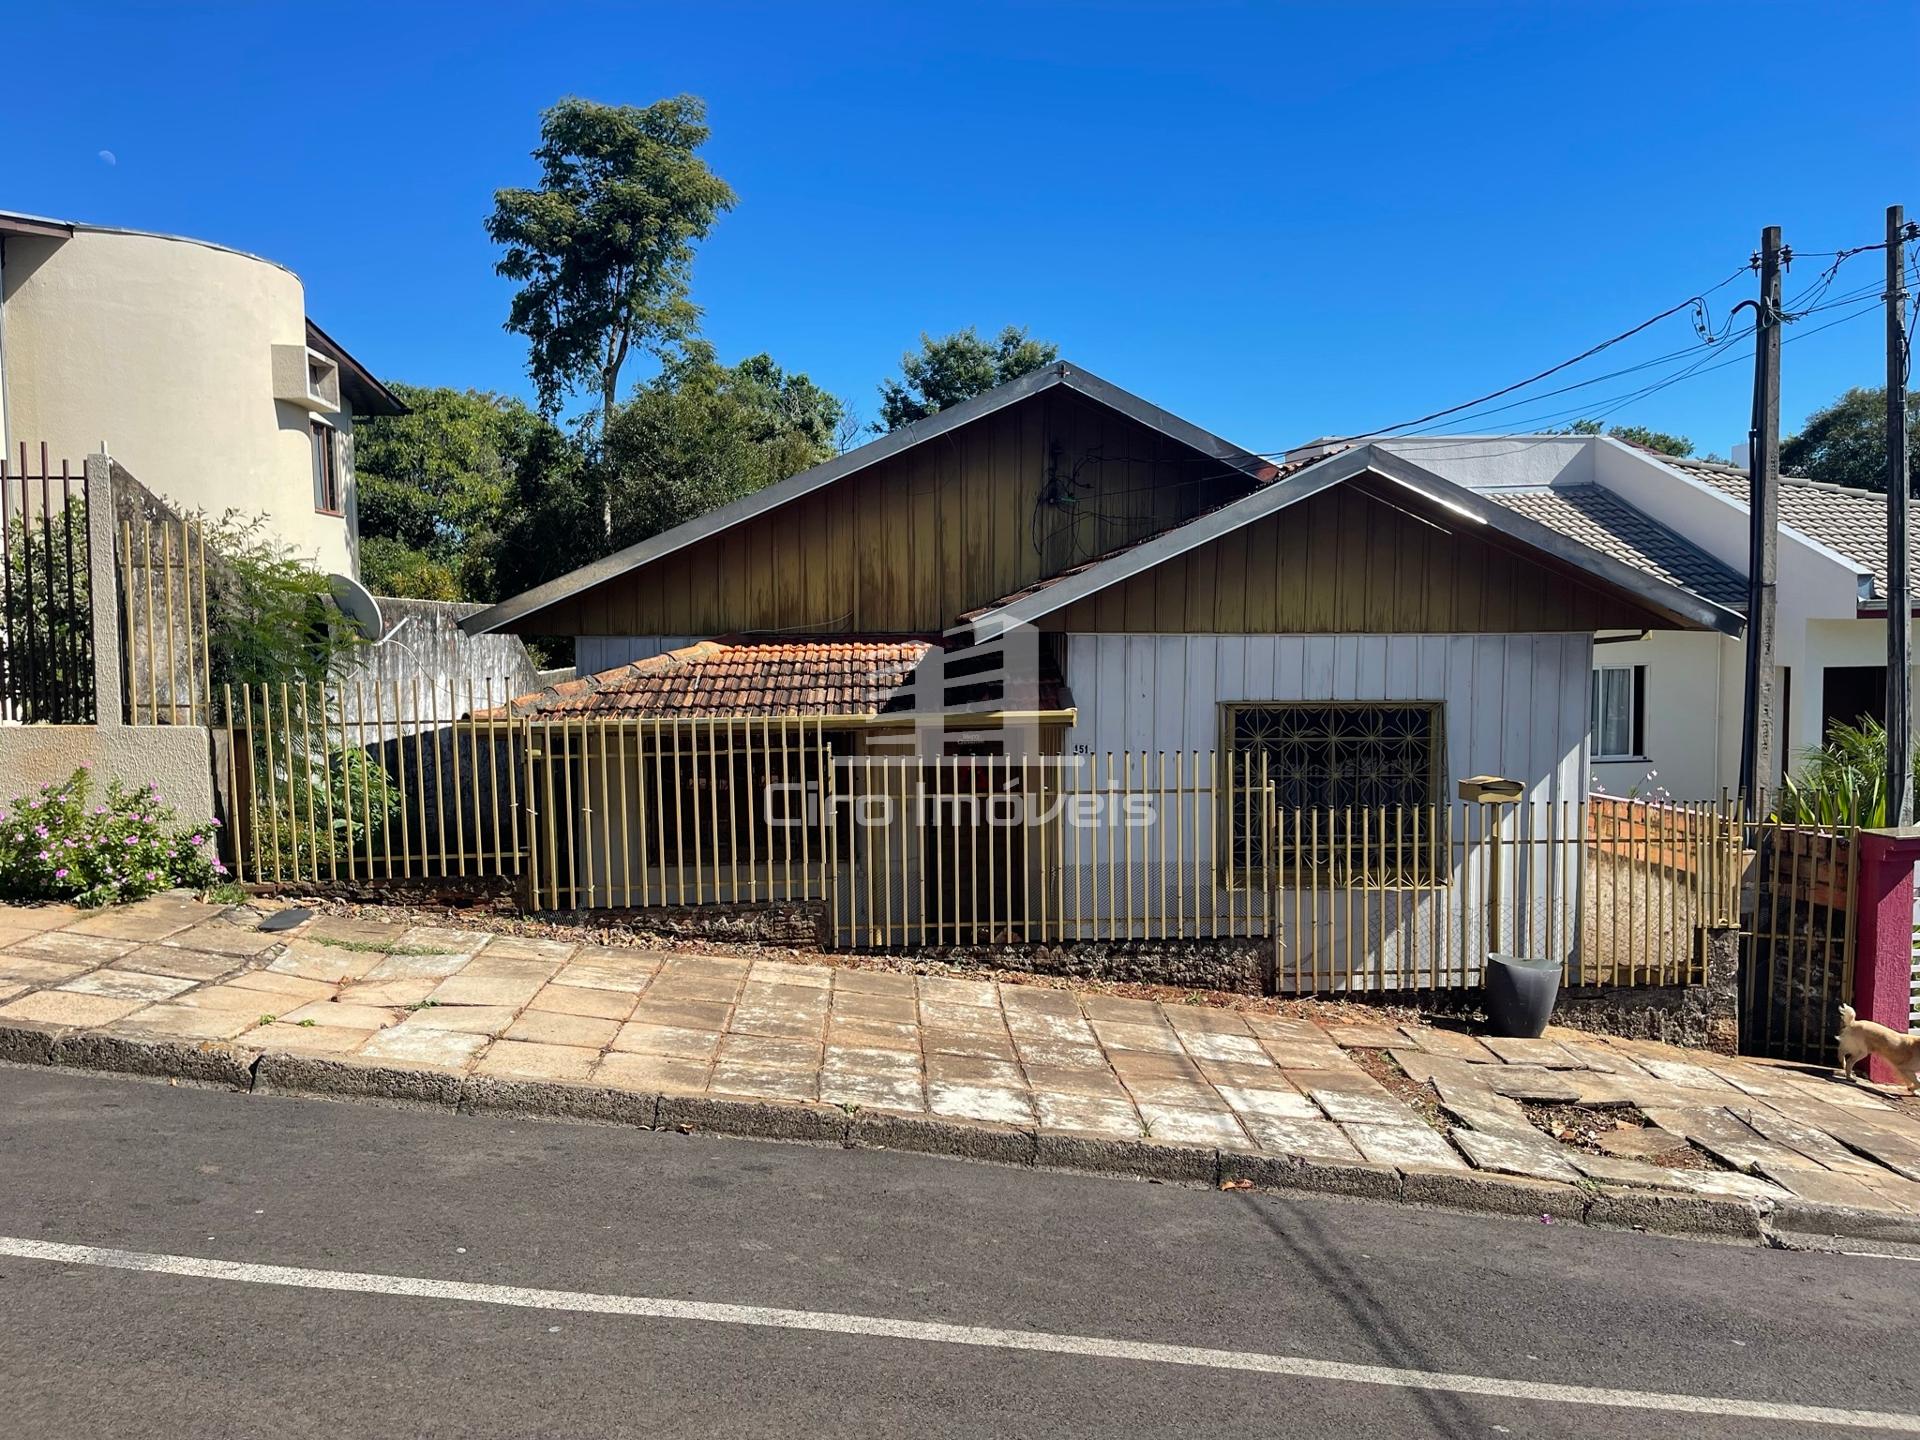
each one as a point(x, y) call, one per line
point(1620, 1132)
point(1418, 1096)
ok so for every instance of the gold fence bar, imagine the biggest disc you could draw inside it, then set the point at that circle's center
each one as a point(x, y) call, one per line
point(166, 574)
point(242, 834)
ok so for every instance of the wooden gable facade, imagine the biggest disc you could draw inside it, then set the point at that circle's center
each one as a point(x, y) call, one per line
point(917, 538)
point(1353, 560)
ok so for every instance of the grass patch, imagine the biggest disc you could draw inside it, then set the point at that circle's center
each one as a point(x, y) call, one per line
point(370, 947)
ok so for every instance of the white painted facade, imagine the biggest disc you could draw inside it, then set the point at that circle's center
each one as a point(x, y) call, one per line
point(1694, 680)
point(1514, 705)
point(175, 356)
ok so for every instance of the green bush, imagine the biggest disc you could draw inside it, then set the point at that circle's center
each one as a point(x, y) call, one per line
point(54, 845)
point(1842, 784)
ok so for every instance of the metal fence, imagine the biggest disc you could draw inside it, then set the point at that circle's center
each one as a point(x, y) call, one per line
point(988, 849)
point(46, 605)
point(365, 783)
point(167, 667)
point(358, 783)
point(1797, 941)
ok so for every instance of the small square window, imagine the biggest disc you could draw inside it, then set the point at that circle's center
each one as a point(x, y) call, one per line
point(1619, 717)
point(326, 470)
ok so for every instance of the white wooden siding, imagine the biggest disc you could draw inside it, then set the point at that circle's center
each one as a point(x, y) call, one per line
point(1515, 705)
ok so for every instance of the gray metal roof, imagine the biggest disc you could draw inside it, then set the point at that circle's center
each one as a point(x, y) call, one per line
point(1849, 521)
point(1597, 517)
point(893, 443)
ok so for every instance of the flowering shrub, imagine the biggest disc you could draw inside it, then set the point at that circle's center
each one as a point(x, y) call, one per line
point(57, 844)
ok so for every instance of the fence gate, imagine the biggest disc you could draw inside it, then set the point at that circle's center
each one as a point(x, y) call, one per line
point(1796, 942)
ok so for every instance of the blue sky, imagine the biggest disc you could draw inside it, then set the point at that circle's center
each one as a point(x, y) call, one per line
point(1280, 222)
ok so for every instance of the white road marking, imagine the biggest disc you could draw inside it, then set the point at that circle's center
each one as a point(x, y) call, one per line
point(931, 1332)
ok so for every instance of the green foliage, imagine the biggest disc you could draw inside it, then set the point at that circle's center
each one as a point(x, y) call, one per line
point(602, 249)
point(268, 610)
point(957, 367)
point(48, 645)
point(431, 487)
point(1677, 445)
point(1843, 783)
point(392, 567)
point(56, 846)
point(698, 435)
point(1845, 443)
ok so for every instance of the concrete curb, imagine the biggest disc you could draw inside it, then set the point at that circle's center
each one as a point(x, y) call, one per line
point(1476, 1192)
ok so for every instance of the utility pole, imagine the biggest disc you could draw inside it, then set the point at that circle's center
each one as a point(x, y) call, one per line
point(1759, 716)
point(1899, 605)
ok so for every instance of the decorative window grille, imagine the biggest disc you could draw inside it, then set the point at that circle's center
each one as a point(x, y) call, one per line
point(1358, 787)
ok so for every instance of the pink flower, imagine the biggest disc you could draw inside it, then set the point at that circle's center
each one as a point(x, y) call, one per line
point(196, 840)
point(133, 839)
point(60, 874)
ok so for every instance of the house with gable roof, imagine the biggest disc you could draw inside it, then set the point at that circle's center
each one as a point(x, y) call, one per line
point(1060, 569)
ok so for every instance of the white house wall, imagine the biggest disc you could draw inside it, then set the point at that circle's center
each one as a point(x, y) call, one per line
point(162, 350)
point(1692, 710)
point(1516, 705)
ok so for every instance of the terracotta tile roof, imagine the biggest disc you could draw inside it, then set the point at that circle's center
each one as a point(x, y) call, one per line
point(770, 676)
point(1601, 520)
point(1853, 522)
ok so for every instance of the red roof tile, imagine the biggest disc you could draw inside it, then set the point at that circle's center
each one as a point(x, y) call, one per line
point(735, 676)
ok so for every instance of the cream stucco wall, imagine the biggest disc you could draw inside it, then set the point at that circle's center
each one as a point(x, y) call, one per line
point(174, 757)
point(163, 349)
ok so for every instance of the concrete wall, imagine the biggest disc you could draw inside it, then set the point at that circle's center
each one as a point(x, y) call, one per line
point(432, 649)
point(174, 757)
point(162, 349)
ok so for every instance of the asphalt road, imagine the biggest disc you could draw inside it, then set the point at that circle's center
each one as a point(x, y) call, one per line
point(438, 1206)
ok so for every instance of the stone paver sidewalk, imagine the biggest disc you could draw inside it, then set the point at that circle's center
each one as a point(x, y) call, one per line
point(1024, 1058)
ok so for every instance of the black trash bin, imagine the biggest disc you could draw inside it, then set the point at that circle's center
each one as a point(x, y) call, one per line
point(1520, 995)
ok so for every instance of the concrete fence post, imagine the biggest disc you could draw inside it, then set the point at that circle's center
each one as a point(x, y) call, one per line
point(1883, 934)
point(103, 585)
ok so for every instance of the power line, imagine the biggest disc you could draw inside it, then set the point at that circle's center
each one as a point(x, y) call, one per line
point(1697, 303)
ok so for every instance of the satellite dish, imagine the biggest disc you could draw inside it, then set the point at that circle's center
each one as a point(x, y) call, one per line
point(356, 602)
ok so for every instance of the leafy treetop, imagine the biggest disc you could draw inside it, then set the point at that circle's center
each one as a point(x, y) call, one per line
point(1845, 443)
point(603, 248)
point(956, 367)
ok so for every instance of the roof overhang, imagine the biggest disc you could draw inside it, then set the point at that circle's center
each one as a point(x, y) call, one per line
point(12, 222)
point(1454, 501)
point(361, 391)
point(896, 442)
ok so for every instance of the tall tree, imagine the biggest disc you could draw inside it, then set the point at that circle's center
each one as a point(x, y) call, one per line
point(1676, 445)
point(956, 367)
point(696, 436)
point(432, 486)
point(603, 248)
point(1845, 443)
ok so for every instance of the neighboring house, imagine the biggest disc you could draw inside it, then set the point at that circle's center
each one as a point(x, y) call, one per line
point(1371, 630)
point(1671, 702)
point(194, 365)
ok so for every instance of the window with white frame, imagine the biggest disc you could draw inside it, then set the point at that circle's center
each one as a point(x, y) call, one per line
point(1620, 712)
